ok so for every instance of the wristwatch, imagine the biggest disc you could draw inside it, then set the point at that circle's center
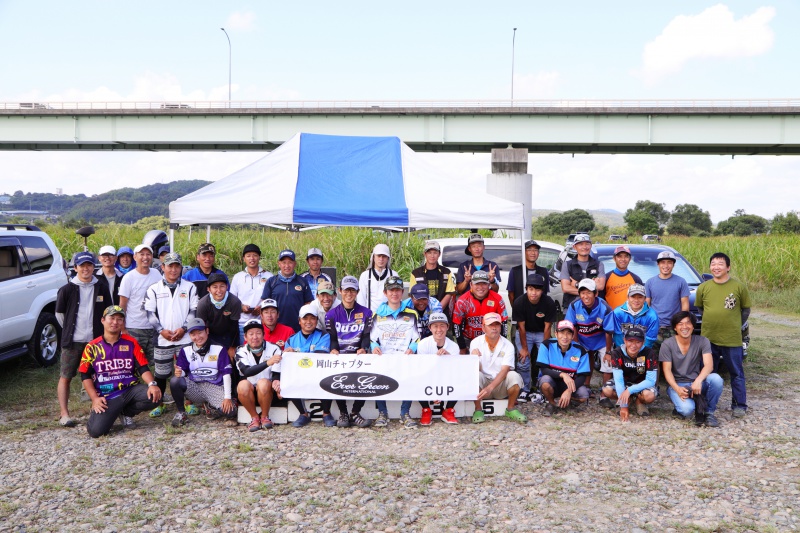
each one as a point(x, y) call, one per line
point(153, 384)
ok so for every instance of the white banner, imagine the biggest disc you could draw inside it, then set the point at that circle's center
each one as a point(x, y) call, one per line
point(379, 377)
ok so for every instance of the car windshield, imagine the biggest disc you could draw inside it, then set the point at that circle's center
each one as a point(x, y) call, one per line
point(506, 257)
point(643, 263)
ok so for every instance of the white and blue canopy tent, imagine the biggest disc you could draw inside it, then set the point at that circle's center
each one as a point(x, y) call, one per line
point(325, 180)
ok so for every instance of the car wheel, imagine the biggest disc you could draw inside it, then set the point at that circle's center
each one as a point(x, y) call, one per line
point(44, 344)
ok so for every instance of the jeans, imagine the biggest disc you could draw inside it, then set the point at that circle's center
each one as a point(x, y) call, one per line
point(405, 407)
point(733, 357)
point(523, 368)
point(712, 389)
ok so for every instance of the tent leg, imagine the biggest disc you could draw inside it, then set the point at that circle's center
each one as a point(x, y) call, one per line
point(208, 233)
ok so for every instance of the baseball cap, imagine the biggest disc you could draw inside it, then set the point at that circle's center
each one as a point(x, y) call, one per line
point(124, 250)
point(216, 277)
point(382, 249)
point(636, 288)
point(113, 310)
point(530, 243)
point(420, 290)
point(665, 255)
point(636, 331)
point(393, 282)
point(325, 287)
point(535, 280)
point(480, 277)
point(107, 250)
point(431, 245)
point(582, 237)
point(269, 302)
point(251, 248)
point(164, 250)
point(306, 310)
point(621, 249)
point(194, 324)
point(286, 253)
point(140, 247)
point(349, 282)
point(171, 258)
point(438, 317)
point(205, 248)
point(565, 324)
point(475, 237)
point(83, 257)
point(314, 251)
point(587, 283)
point(250, 324)
point(491, 318)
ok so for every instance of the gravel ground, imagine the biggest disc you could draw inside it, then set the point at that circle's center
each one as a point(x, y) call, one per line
point(578, 471)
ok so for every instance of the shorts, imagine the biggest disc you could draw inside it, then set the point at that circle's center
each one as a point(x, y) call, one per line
point(610, 384)
point(164, 360)
point(605, 368)
point(146, 339)
point(501, 391)
point(71, 359)
point(559, 387)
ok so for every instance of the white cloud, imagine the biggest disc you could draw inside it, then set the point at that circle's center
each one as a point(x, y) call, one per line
point(536, 86)
point(241, 21)
point(712, 34)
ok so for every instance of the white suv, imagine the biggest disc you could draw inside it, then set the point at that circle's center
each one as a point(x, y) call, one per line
point(31, 272)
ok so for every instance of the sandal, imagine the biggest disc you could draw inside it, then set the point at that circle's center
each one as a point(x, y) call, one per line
point(478, 417)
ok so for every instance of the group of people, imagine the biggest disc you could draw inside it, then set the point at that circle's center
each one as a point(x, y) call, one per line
point(218, 342)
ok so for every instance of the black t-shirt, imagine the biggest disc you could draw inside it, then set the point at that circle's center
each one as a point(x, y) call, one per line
point(534, 316)
point(223, 323)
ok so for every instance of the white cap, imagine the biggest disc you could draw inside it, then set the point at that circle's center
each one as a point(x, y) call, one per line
point(587, 283)
point(107, 250)
point(306, 310)
point(141, 247)
point(382, 249)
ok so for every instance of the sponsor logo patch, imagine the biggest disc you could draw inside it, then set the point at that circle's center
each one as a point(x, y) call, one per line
point(124, 348)
point(574, 358)
point(359, 384)
point(298, 288)
point(305, 362)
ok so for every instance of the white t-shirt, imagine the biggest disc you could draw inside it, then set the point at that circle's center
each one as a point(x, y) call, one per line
point(428, 346)
point(492, 362)
point(134, 287)
point(248, 289)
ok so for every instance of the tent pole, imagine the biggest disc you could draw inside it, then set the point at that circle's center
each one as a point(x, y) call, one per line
point(171, 240)
point(208, 233)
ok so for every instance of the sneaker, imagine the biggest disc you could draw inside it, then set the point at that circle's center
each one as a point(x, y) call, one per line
point(478, 417)
point(255, 424)
point(711, 421)
point(211, 413)
point(515, 416)
point(167, 398)
point(642, 409)
point(158, 411)
point(329, 421)
point(344, 421)
point(606, 402)
point(449, 416)
point(738, 412)
point(179, 419)
point(359, 421)
point(677, 415)
point(191, 409)
point(523, 397)
point(408, 422)
point(266, 423)
point(302, 421)
point(67, 422)
point(536, 398)
point(382, 421)
point(427, 417)
point(548, 409)
point(127, 422)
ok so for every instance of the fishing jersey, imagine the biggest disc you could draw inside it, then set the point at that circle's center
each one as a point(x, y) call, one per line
point(590, 324)
point(113, 367)
point(291, 294)
point(622, 318)
point(172, 307)
point(468, 315)
point(209, 363)
point(317, 341)
point(349, 330)
point(635, 374)
point(254, 366)
point(200, 279)
point(394, 331)
point(615, 292)
point(574, 362)
point(434, 306)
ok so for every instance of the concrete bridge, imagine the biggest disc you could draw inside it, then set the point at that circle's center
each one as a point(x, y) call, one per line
point(746, 127)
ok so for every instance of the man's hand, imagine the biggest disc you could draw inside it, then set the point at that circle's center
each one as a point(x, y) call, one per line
point(523, 354)
point(464, 351)
point(288, 349)
point(491, 273)
point(99, 405)
point(569, 382)
point(476, 352)
point(683, 392)
point(563, 401)
point(607, 358)
point(697, 386)
point(167, 334)
point(485, 393)
point(246, 308)
point(334, 352)
point(154, 393)
point(468, 273)
point(409, 351)
point(361, 351)
point(624, 397)
point(441, 351)
point(227, 405)
point(178, 371)
point(276, 386)
point(178, 334)
point(377, 350)
point(624, 413)
point(275, 359)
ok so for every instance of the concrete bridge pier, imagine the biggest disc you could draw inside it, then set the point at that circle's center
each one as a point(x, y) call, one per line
point(510, 180)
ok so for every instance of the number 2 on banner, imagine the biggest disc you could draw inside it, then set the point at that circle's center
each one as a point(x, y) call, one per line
point(315, 410)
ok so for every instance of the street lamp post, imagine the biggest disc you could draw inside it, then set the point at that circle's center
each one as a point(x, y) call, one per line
point(513, 39)
point(229, 66)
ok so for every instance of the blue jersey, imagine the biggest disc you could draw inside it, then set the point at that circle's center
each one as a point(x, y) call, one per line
point(200, 279)
point(291, 294)
point(349, 330)
point(434, 306)
point(575, 361)
point(316, 342)
point(621, 319)
point(590, 324)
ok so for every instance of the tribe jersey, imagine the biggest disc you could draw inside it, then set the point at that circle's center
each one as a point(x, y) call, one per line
point(394, 331)
point(469, 311)
point(207, 365)
point(112, 367)
point(347, 327)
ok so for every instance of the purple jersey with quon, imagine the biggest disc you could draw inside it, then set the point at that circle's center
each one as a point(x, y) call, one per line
point(113, 367)
point(348, 326)
point(208, 363)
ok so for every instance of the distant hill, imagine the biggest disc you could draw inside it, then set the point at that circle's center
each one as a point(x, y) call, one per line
point(607, 217)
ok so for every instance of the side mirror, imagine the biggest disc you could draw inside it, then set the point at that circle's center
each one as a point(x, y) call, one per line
point(707, 277)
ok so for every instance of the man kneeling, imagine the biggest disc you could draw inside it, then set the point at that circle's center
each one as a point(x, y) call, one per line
point(207, 368)
point(254, 361)
point(635, 372)
point(564, 367)
point(498, 379)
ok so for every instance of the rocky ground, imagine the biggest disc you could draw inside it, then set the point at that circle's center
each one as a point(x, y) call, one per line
point(577, 471)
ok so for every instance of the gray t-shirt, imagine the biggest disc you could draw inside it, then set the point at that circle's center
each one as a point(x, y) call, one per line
point(665, 296)
point(685, 367)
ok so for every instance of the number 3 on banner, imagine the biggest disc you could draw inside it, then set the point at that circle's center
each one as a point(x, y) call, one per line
point(488, 408)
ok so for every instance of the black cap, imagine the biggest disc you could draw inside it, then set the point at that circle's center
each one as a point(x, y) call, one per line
point(530, 243)
point(250, 324)
point(216, 277)
point(535, 280)
point(251, 248)
point(635, 332)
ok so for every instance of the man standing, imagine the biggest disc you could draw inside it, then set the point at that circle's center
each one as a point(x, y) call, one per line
point(564, 366)
point(107, 270)
point(109, 369)
point(290, 290)
point(583, 266)
point(478, 263)
point(590, 315)
point(132, 293)
point(472, 306)
point(516, 276)
point(498, 379)
point(206, 254)
point(534, 312)
point(315, 275)
point(424, 304)
point(125, 262)
point(79, 309)
point(635, 312)
point(373, 279)
point(438, 278)
point(725, 304)
point(248, 285)
point(635, 369)
point(620, 279)
point(666, 294)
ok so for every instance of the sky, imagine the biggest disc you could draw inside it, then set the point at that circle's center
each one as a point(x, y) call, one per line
point(157, 51)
